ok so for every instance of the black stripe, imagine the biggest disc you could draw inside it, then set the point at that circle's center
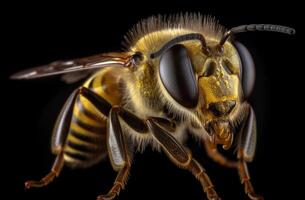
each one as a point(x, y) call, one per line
point(133, 121)
point(82, 147)
point(99, 102)
point(86, 138)
point(86, 112)
point(92, 129)
point(77, 156)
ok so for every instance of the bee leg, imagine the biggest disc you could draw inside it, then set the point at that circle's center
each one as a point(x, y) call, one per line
point(218, 157)
point(118, 153)
point(117, 147)
point(245, 153)
point(180, 155)
point(56, 168)
point(61, 130)
point(245, 179)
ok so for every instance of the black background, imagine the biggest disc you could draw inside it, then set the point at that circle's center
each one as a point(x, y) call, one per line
point(36, 34)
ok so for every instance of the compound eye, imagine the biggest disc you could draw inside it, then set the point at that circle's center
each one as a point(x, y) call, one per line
point(177, 76)
point(247, 69)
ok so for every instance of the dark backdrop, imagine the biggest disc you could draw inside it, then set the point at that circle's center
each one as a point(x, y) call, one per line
point(32, 35)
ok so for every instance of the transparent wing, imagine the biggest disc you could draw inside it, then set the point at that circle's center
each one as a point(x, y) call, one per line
point(63, 67)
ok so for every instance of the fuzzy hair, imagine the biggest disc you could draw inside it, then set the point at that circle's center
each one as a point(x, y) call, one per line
point(208, 26)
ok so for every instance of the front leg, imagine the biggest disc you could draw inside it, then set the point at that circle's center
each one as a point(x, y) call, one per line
point(245, 153)
point(217, 156)
point(179, 154)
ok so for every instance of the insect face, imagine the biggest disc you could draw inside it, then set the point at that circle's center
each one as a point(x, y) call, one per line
point(200, 77)
point(227, 79)
point(220, 83)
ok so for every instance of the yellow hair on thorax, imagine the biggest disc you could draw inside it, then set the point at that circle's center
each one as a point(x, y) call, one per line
point(152, 33)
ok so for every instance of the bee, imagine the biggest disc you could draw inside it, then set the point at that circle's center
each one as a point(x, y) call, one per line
point(177, 75)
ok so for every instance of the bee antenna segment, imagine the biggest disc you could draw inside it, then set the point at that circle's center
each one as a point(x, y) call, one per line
point(256, 27)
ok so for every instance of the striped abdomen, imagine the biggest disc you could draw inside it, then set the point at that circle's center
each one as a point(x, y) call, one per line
point(86, 141)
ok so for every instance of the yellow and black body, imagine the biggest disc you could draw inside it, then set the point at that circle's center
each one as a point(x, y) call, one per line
point(85, 142)
point(177, 75)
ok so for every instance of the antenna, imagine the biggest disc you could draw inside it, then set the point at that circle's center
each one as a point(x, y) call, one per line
point(256, 27)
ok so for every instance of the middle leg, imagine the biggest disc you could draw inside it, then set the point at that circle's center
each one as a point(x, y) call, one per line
point(118, 153)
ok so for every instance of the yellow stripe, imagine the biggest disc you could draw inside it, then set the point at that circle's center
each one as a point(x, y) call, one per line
point(97, 85)
point(75, 127)
point(77, 113)
point(72, 150)
point(73, 161)
point(98, 74)
point(69, 159)
point(98, 88)
point(90, 107)
point(75, 140)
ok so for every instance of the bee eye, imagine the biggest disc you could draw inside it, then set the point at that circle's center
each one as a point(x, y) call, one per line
point(177, 75)
point(247, 69)
point(210, 69)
